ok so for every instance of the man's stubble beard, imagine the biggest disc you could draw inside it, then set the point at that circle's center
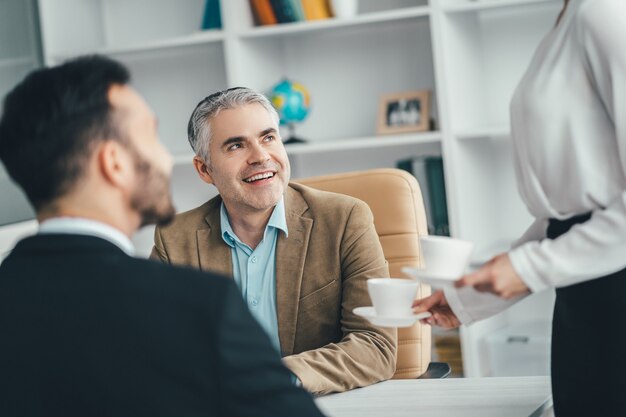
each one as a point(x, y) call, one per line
point(152, 198)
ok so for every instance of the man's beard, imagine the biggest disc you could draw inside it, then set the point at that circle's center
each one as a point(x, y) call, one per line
point(151, 197)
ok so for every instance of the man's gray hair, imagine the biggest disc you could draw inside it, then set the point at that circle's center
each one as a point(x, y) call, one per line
point(199, 126)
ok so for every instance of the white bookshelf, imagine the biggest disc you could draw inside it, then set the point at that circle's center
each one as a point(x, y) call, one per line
point(469, 53)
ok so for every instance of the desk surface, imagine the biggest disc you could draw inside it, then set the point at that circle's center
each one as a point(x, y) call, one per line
point(467, 397)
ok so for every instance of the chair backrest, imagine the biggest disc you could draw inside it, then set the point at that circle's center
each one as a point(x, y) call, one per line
point(395, 199)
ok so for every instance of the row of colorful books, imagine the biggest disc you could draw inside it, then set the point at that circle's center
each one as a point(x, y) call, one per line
point(271, 12)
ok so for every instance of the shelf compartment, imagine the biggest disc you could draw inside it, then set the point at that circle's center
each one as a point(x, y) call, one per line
point(489, 51)
point(385, 58)
point(173, 89)
point(346, 158)
point(72, 27)
point(489, 210)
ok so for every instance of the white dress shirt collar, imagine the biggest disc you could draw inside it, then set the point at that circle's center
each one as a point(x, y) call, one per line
point(82, 226)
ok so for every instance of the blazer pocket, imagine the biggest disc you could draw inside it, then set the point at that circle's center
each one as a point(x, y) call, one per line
point(328, 292)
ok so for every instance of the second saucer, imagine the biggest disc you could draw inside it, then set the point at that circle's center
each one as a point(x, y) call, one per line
point(402, 321)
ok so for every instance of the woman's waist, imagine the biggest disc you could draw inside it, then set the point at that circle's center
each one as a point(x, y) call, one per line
point(566, 205)
point(557, 227)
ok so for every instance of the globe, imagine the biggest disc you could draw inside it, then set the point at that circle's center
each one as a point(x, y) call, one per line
point(292, 101)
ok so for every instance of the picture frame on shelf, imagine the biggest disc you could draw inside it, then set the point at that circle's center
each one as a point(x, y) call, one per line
point(404, 112)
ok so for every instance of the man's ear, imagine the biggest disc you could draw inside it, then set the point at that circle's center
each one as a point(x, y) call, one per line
point(202, 169)
point(115, 163)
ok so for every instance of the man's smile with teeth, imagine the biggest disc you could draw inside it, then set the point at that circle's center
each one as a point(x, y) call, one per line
point(261, 176)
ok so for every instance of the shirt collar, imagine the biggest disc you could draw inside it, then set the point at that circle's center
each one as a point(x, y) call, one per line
point(81, 226)
point(278, 220)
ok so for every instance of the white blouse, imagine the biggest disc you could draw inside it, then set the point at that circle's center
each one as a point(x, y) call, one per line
point(568, 119)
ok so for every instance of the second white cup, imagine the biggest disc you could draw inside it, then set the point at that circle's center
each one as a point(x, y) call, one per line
point(445, 256)
point(392, 297)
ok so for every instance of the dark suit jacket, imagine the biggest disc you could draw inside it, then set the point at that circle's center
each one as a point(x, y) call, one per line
point(322, 270)
point(86, 330)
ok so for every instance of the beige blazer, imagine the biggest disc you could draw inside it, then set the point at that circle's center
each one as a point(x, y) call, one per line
point(321, 274)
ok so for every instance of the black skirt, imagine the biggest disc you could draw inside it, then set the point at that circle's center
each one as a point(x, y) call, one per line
point(589, 342)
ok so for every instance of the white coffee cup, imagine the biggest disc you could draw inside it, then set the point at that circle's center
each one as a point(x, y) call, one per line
point(392, 297)
point(444, 256)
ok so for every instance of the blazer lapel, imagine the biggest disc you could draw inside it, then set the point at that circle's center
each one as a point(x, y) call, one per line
point(290, 257)
point(213, 253)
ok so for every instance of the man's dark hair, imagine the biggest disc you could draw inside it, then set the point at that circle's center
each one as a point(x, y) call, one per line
point(53, 119)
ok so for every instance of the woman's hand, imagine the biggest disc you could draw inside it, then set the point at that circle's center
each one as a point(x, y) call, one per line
point(496, 276)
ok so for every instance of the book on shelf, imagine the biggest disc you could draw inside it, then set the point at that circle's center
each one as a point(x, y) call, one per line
point(212, 17)
point(285, 11)
point(263, 12)
point(298, 11)
point(316, 9)
point(437, 191)
point(428, 170)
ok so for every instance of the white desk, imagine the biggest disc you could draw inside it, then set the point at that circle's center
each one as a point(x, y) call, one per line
point(466, 397)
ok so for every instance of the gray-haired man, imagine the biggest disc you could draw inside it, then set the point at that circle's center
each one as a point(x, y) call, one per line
point(300, 257)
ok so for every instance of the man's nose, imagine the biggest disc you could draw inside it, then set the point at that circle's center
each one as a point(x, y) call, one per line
point(258, 154)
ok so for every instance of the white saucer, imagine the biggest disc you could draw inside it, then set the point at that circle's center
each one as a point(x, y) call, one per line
point(438, 281)
point(405, 321)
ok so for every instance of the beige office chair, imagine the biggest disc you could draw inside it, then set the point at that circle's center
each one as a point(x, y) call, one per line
point(395, 199)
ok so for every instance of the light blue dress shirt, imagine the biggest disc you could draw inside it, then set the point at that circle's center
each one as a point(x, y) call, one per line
point(254, 271)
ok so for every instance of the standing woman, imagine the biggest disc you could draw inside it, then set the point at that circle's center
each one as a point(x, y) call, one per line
point(568, 119)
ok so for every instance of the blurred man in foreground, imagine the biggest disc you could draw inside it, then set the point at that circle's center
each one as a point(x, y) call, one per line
point(86, 329)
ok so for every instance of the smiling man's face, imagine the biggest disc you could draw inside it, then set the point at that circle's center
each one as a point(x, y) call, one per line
point(249, 164)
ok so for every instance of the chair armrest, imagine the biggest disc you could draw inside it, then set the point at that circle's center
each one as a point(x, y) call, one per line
point(436, 370)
